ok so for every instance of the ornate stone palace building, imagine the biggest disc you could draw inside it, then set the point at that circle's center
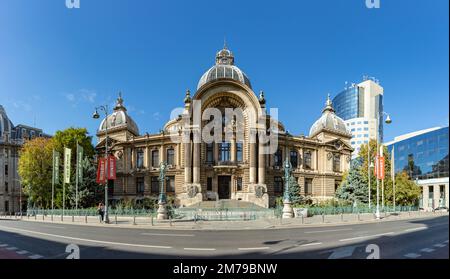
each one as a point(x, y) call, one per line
point(236, 168)
point(11, 140)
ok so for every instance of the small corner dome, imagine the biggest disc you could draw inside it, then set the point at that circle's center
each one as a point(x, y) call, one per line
point(224, 69)
point(329, 121)
point(119, 119)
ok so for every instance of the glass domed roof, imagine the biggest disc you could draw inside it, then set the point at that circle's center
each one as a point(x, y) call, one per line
point(224, 69)
point(329, 121)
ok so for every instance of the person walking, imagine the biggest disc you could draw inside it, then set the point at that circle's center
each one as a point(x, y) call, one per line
point(101, 211)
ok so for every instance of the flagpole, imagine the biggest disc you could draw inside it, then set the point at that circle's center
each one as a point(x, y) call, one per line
point(76, 181)
point(393, 172)
point(53, 181)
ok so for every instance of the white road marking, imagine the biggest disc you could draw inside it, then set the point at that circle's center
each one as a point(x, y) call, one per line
point(427, 250)
point(439, 245)
point(415, 229)
point(254, 248)
point(12, 248)
point(3, 245)
point(200, 249)
point(412, 255)
point(168, 234)
point(22, 252)
point(342, 252)
point(89, 240)
point(366, 236)
point(324, 231)
point(35, 257)
point(311, 244)
point(54, 227)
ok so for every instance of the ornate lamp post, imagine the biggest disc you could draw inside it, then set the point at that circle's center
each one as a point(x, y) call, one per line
point(97, 116)
point(162, 202)
point(380, 152)
point(287, 203)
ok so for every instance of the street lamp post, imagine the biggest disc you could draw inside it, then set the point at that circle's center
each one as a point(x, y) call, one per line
point(380, 152)
point(97, 116)
point(287, 203)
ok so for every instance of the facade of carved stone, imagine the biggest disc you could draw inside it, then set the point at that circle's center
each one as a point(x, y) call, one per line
point(236, 167)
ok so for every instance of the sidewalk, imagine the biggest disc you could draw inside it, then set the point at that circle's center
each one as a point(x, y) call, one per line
point(148, 222)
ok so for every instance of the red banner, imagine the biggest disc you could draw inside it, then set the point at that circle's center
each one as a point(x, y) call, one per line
point(381, 168)
point(111, 168)
point(101, 171)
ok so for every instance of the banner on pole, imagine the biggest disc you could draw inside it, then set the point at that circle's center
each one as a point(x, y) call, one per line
point(80, 153)
point(379, 167)
point(101, 171)
point(67, 158)
point(111, 168)
point(56, 158)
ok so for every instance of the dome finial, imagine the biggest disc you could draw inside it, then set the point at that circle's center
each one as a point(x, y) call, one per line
point(224, 42)
point(119, 103)
point(262, 99)
point(328, 104)
point(187, 99)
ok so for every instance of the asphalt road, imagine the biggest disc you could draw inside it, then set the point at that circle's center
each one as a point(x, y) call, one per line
point(418, 238)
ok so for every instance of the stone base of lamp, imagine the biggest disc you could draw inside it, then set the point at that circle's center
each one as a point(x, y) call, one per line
point(162, 211)
point(288, 212)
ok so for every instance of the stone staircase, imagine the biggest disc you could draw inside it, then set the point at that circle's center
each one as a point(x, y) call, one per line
point(227, 204)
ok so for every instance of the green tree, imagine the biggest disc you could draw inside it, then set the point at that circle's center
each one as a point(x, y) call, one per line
point(89, 192)
point(365, 159)
point(35, 171)
point(294, 190)
point(407, 192)
point(354, 187)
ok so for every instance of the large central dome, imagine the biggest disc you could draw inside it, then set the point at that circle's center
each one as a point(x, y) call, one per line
point(224, 69)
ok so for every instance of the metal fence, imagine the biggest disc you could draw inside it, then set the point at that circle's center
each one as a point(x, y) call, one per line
point(92, 212)
point(223, 214)
point(350, 209)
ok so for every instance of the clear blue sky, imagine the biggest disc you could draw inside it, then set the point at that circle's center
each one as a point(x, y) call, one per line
point(56, 64)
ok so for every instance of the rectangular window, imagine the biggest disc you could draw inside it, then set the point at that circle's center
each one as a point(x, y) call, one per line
point(307, 157)
point(155, 158)
point(140, 185)
point(170, 156)
point(6, 170)
point(6, 186)
point(278, 184)
point(366, 129)
point(278, 158)
point(140, 159)
point(308, 186)
point(170, 184)
point(154, 185)
point(209, 184)
point(366, 122)
point(6, 206)
point(337, 163)
point(239, 184)
point(294, 158)
point(239, 152)
point(224, 151)
point(209, 152)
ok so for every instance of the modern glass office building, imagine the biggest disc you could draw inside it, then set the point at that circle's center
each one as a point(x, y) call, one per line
point(361, 107)
point(424, 156)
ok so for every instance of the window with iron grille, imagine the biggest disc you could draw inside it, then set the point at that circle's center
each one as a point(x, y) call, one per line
point(140, 185)
point(278, 184)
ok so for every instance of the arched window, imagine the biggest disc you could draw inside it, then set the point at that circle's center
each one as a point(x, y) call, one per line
point(155, 158)
point(239, 152)
point(209, 152)
point(336, 162)
point(307, 160)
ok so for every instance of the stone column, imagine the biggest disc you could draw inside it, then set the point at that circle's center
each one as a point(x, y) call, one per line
point(196, 159)
point(446, 195)
point(233, 149)
point(436, 195)
point(216, 153)
point(161, 154)
point(261, 165)
point(253, 155)
point(187, 162)
point(425, 197)
point(196, 169)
